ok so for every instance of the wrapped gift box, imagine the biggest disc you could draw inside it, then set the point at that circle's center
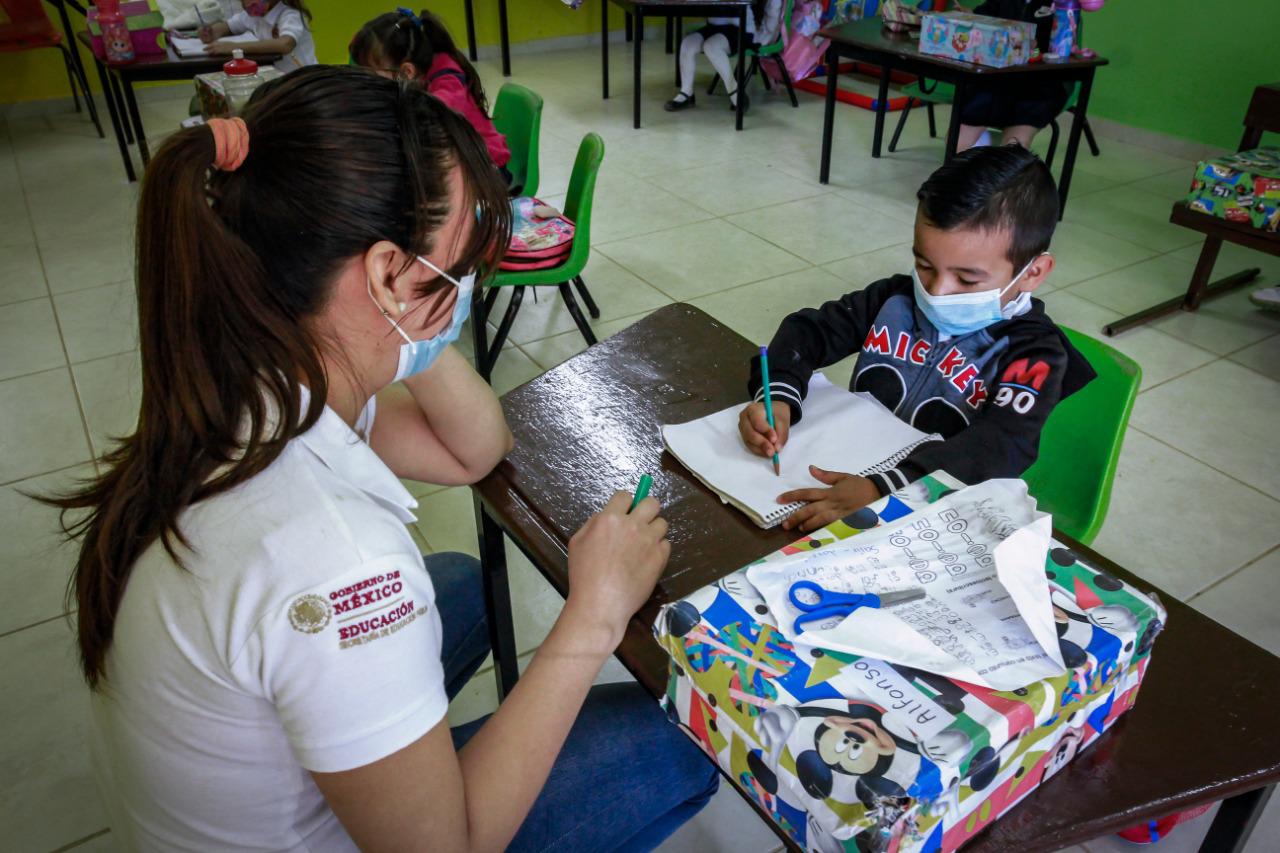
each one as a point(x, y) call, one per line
point(213, 98)
point(981, 39)
point(1242, 187)
point(849, 753)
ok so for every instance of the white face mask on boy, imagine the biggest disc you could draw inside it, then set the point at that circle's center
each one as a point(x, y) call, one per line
point(417, 356)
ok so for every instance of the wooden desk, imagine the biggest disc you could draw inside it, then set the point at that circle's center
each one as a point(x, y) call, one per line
point(868, 41)
point(1204, 727)
point(637, 10)
point(503, 35)
point(117, 84)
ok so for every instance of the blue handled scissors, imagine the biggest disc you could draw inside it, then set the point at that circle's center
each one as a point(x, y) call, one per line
point(832, 604)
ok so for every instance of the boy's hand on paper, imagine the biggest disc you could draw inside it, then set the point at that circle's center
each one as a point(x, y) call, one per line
point(757, 435)
point(848, 492)
point(615, 560)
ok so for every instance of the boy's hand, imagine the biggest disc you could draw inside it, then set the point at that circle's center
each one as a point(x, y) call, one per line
point(848, 492)
point(757, 435)
point(220, 48)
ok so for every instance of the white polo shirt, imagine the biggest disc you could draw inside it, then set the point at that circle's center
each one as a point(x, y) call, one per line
point(301, 634)
point(279, 22)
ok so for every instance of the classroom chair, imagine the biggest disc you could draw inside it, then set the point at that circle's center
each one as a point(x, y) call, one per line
point(936, 92)
point(1080, 444)
point(24, 25)
point(768, 51)
point(517, 114)
point(577, 207)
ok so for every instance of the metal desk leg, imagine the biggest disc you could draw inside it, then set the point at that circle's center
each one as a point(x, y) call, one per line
point(471, 30)
point(78, 63)
point(104, 79)
point(953, 126)
point(679, 39)
point(741, 74)
point(1073, 142)
point(637, 45)
point(135, 119)
point(829, 116)
point(1235, 820)
point(882, 106)
point(671, 34)
point(505, 38)
point(604, 49)
point(117, 95)
point(497, 601)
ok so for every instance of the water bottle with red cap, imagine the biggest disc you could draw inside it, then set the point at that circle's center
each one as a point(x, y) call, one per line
point(242, 78)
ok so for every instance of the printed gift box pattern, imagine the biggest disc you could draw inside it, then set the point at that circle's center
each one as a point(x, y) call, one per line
point(980, 39)
point(848, 753)
point(1243, 187)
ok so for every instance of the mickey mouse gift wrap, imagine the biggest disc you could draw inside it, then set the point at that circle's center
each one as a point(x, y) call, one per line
point(847, 751)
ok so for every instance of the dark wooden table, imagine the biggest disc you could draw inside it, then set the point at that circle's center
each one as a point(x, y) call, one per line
point(1263, 115)
point(868, 41)
point(1205, 726)
point(503, 35)
point(117, 85)
point(678, 9)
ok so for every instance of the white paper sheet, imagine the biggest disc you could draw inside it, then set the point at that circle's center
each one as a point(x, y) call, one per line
point(194, 47)
point(841, 431)
point(979, 555)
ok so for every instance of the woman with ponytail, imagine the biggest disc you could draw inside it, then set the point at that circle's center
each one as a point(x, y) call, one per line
point(402, 45)
point(269, 657)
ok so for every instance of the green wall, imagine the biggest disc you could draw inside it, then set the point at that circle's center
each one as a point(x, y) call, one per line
point(1181, 67)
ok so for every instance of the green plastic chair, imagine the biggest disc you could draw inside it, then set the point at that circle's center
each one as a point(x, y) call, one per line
point(1081, 441)
point(768, 51)
point(517, 115)
point(577, 207)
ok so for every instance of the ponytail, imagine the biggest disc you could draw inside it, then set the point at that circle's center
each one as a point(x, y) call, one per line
point(231, 266)
point(402, 36)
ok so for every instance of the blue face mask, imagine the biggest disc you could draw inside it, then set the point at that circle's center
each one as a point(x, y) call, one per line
point(959, 314)
point(417, 356)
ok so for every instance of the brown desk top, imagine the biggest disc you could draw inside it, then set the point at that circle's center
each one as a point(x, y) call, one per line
point(870, 34)
point(170, 66)
point(1205, 723)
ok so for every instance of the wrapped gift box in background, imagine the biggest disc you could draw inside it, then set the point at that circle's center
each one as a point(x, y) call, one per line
point(849, 753)
point(1242, 187)
point(981, 39)
point(146, 29)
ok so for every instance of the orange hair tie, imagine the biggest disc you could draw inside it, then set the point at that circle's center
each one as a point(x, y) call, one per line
point(230, 142)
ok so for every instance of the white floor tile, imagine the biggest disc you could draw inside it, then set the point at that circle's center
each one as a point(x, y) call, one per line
point(727, 823)
point(98, 322)
point(1224, 324)
point(1137, 286)
point(861, 270)
point(47, 794)
point(89, 260)
point(755, 310)
point(1082, 253)
point(549, 352)
point(1263, 357)
point(1133, 215)
point(1180, 524)
point(825, 228)
point(21, 274)
point(110, 392)
point(1222, 414)
point(40, 426)
point(1245, 602)
point(29, 339)
point(733, 187)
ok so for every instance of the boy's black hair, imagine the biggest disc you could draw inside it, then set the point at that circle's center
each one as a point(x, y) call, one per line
point(993, 188)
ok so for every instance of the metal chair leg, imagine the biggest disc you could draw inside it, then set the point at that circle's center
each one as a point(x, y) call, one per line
point(786, 80)
point(479, 332)
point(933, 124)
point(1088, 137)
point(897, 131)
point(504, 328)
point(576, 313)
point(755, 66)
point(1053, 143)
point(71, 77)
point(592, 308)
point(715, 81)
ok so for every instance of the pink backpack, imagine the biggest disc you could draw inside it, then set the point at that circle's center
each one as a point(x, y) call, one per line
point(536, 242)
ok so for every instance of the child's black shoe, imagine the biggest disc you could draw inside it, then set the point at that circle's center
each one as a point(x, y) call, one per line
point(679, 102)
point(746, 102)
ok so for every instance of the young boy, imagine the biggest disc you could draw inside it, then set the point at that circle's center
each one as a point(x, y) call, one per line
point(958, 348)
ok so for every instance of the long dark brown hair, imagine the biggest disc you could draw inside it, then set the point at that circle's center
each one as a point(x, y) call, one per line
point(232, 268)
point(401, 36)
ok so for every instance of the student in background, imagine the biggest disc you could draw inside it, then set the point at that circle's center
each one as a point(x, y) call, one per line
point(403, 46)
point(269, 657)
point(281, 26)
point(719, 40)
point(1025, 108)
point(958, 348)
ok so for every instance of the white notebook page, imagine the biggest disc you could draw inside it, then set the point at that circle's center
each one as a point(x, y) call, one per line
point(841, 431)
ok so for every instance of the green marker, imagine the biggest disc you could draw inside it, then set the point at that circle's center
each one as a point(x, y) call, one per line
point(768, 403)
point(642, 491)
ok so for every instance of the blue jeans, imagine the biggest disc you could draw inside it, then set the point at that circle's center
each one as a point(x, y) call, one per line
point(625, 779)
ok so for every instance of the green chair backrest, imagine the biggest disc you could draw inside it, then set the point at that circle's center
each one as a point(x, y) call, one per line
point(581, 196)
point(517, 114)
point(1080, 444)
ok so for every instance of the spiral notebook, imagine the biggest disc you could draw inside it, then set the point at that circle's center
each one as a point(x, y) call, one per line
point(841, 431)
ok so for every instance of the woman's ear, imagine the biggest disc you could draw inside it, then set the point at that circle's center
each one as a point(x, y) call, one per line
point(1037, 272)
point(408, 71)
point(383, 263)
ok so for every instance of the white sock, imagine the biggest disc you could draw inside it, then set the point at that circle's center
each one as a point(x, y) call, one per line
point(717, 50)
point(689, 48)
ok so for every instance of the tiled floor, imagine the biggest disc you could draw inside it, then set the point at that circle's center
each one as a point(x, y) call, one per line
point(686, 209)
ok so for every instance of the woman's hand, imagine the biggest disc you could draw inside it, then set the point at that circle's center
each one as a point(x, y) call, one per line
point(615, 560)
point(848, 492)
